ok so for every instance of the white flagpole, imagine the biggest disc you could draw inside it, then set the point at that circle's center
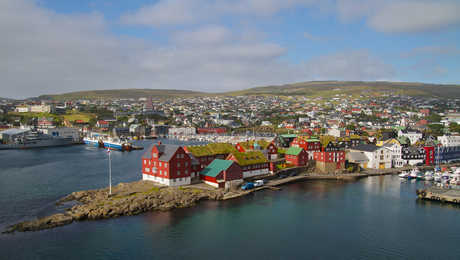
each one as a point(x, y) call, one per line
point(110, 173)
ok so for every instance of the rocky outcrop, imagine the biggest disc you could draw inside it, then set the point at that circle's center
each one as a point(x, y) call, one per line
point(127, 199)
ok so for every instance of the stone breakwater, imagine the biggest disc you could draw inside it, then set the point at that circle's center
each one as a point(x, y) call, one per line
point(127, 199)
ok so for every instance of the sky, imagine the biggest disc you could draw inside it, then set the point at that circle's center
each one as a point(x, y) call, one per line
point(56, 46)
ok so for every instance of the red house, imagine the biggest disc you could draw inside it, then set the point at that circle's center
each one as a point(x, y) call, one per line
point(222, 174)
point(310, 145)
point(252, 163)
point(296, 156)
point(166, 164)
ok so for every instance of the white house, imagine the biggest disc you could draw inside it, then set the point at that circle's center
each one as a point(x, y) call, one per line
point(379, 156)
point(449, 140)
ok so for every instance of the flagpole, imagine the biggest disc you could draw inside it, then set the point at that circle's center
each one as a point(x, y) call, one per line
point(110, 173)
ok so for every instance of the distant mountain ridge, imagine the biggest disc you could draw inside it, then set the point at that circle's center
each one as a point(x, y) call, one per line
point(310, 89)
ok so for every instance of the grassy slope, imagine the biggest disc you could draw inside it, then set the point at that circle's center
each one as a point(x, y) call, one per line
point(122, 93)
point(330, 88)
point(311, 89)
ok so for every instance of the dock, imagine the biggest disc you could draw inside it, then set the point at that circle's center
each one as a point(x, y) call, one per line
point(444, 195)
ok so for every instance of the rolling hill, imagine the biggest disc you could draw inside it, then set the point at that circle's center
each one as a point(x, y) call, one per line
point(330, 88)
point(123, 93)
point(310, 89)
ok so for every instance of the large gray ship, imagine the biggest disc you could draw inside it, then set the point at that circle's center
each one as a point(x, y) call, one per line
point(28, 139)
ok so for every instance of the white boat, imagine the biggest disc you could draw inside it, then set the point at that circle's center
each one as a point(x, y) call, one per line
point(455, 179)
point(403, 175)
point(413, 173)
point(437, 177)
point(117, 144)
point(428, 176)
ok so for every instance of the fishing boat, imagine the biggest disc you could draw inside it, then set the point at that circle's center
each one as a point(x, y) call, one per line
point(117, 144)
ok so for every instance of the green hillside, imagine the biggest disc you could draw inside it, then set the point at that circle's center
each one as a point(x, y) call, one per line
point(123, 93)
point(330, 88)
point(310, 89)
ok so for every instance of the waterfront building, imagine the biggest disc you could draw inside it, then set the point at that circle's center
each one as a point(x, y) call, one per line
point(166, 164)
point(413, 155)
point(331, 157)
point(253, 163)
point(379, 156)
point(222, 174)
point(296, 156)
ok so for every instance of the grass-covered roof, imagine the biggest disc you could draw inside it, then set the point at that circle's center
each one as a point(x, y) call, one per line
point(249, 158)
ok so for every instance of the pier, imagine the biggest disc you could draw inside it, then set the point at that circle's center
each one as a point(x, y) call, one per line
point(440, 194)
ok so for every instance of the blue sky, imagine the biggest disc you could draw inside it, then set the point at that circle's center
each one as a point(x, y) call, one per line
point(220, 45)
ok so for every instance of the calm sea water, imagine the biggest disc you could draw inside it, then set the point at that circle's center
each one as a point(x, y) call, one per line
point(374, 218)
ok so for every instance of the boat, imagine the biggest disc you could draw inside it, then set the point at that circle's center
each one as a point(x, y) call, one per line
point(428, 176)
point(455, 179)
point(413, 173)
point(117, 144)
point(437, 177)
point(28, 139)
point(403, 174)
point(94, 139)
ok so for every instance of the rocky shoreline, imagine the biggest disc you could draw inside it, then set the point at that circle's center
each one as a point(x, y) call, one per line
point(127, 199)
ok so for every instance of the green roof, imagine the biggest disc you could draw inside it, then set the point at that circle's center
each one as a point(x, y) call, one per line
point(215, 167)
point(294, 150)
point(211, 149)
point(248, 158)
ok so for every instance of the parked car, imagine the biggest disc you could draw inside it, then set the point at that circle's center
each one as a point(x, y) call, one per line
point(282, 176)
point(259, 183)
point(247, 186)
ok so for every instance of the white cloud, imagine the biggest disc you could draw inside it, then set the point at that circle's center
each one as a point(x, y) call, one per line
point(44, 52)
point(416, 16)
point(179, 12)
point(354, 65)
point(395, 16)
point(440, 50)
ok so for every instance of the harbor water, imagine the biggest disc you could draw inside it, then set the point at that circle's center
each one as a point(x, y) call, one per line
point(373, 218)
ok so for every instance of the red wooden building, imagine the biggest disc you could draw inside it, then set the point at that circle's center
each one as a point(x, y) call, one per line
point(309, 144)
point(296, 156)
point(252, 163)
point(429, 155)
point(222, 174)
point(166, 164)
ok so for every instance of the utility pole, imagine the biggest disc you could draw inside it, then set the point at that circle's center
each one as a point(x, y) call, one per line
point(110, 172)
